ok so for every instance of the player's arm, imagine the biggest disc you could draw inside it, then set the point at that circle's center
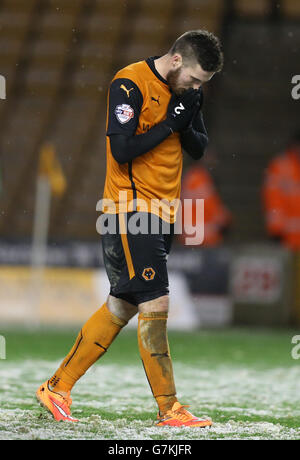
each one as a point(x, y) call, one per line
point(124, 110)
point(125, 104)
point(194, 139)
point(126, 148)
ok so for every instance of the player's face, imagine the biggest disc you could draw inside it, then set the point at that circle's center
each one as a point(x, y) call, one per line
point(184, 77)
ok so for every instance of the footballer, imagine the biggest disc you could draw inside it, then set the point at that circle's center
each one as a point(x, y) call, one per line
point(153, 113)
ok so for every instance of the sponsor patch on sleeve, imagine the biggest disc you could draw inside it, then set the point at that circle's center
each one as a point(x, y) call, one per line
point(124, 113)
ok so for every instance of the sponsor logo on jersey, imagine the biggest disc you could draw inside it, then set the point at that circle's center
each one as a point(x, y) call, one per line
point(124, 113)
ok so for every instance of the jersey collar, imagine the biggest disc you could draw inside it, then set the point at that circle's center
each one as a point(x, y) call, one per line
point(150, 62)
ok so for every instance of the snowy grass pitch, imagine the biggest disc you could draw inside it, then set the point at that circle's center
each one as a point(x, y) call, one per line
point(246, 381)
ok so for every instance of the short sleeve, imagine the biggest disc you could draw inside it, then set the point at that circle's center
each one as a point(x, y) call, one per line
point(124, 107)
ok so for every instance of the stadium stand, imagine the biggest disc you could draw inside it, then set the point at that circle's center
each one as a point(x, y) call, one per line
point(205, 14)
point(291, 9)
point(31, 104)
point(58, 57)
point(254, 8)
point(14, 25)
point(247, 143)
point(94, 58)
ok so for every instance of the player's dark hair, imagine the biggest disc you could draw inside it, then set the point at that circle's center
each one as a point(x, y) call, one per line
point(201, 45)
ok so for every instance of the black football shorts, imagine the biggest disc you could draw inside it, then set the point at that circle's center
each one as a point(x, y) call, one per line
point(136, 263)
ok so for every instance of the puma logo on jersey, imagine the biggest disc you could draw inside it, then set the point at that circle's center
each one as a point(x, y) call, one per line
point(156, 100)
point(127, 91)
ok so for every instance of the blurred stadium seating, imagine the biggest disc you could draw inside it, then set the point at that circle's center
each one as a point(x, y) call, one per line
point(58, 57)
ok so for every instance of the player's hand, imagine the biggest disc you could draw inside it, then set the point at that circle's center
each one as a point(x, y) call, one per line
point(197, 107)
point(181, 109)
point(200, 98)
point(196, 112)
point(199, 103)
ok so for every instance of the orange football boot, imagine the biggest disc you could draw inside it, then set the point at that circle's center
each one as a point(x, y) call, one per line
point(58, 405)
point(179, 416)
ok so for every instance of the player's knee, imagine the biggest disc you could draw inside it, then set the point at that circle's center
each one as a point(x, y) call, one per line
point(160, 304)
point(121, 308)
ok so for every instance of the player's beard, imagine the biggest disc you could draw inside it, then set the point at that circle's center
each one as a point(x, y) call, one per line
point(173, 81)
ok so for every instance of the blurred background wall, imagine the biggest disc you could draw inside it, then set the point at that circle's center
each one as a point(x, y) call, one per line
point(58, 57)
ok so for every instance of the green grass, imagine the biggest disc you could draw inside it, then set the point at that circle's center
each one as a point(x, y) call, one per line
point(234, 346)
point(245, 380)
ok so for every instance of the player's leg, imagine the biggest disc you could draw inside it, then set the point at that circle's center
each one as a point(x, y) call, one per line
point(155, 351)
point(92, 342)
point(98, 332)
point(121, 308)
point(154, 348)
point(155, 354)
point(148, 257)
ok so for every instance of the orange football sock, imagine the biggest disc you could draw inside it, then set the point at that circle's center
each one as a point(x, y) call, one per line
point(155, 354)
point(92, 342)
